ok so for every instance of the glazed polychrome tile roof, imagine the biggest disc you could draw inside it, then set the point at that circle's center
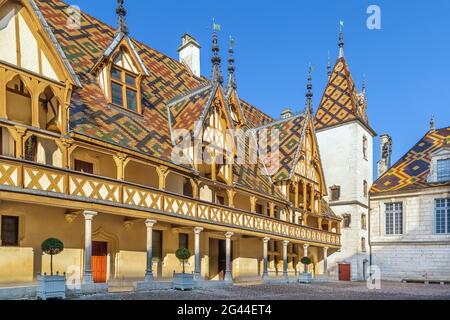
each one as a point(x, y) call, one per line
point(291, 133)
point(341, 102)
point(93, 116)
point(412, 170)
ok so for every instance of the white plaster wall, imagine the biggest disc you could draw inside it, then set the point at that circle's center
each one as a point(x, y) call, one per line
point(419, 253)
point(341, 151)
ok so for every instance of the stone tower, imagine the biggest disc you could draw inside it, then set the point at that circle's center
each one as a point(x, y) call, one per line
point(346, 146)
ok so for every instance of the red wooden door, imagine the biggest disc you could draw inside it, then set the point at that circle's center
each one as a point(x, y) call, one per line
point(99, 261)
point(344, 272)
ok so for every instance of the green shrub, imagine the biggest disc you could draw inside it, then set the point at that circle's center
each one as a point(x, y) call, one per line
point(306, 261)
point(52, 247)
point(183, 255)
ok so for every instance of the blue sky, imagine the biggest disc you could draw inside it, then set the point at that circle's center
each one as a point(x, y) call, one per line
point(406, 63)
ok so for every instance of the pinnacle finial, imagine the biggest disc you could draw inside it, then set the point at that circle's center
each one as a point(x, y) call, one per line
point(231, 66)
point(121, 14)
point(432, 124)
point(341, 39)
point(215, 59)
point(364, 85)
point(309, 93)
point(329, 66)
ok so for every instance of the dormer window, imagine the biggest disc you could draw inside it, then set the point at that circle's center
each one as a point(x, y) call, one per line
point(124, 89)
point(125, 82)
point(443, 170)
point(440, 166)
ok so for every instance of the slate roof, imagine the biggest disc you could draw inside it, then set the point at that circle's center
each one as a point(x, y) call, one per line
point(412, 170)
point(341, 102)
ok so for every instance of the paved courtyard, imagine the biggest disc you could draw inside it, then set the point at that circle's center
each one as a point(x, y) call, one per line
point(331, 291)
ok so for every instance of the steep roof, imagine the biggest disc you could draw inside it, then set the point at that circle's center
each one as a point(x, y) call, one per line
point(172, 97)
point(341, 102)
point(291, 133)
point(412, 170)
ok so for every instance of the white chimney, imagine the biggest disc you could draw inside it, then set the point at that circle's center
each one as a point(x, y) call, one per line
point(287, 113)
point(190, 53)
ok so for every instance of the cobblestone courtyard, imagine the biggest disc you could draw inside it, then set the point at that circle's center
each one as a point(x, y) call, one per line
point(331, 291)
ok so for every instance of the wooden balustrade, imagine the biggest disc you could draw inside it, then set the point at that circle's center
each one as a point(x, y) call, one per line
point(24, 175)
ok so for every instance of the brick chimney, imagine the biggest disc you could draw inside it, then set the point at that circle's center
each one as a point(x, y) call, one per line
point(287, 113)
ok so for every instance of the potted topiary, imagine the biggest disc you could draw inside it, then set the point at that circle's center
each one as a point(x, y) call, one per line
point(305, 277)
point(51, 286)
point(183, 281)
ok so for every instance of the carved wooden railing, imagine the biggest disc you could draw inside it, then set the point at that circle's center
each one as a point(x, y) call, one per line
point(22, 175)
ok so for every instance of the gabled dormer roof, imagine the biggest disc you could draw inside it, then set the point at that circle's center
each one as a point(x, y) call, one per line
point(291, 131)
point(412, 170)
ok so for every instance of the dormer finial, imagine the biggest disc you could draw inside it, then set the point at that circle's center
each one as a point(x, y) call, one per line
point(231, 66)
point(309, 93)
point(217, 75)
point(121, 14)
point(432, 124)
point(329, 66)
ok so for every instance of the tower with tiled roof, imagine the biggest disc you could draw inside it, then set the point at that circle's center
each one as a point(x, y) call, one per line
point(346, 145)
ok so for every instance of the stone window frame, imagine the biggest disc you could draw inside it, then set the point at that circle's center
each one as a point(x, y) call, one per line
point(435, 231)
point(337, 189)
point(394, 234)
point(440, 154)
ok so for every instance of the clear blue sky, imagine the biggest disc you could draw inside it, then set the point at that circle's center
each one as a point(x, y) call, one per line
point(406, 63)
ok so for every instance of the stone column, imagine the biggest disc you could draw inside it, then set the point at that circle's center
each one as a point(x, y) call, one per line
point(197, 272)
point(88, 217)
point(325, 261)
point(305, 248)
point(285, 259)
point(266, 258)
point(228, 275)
point(149, 274)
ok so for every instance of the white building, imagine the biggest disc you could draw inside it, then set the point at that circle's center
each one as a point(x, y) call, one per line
point(346, 147)
point(410, 213)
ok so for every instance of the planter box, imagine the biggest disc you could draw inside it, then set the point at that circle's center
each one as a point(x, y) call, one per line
point(51, 287)
point(183, 281)
point(305, 278)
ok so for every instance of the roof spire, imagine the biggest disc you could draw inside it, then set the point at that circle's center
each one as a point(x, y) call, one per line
point(341, 40)
point(121, 14)
point(231, 66)
point(309, 93)
point(432, 124)
point(216, 75)
point(364, 86)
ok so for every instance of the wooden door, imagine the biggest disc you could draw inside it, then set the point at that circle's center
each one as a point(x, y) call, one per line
point(84, 167)
point(99, 261)
point(344, 272)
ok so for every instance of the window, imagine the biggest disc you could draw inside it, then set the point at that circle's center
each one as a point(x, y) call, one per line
point(365, 148)
point(183, 241)
point(443, 170)
point(442, 216)
point(366, 189)
point(335, 192)
point(157, 245)
point(363, 245)
point(363, 222)
point(124, 88)
point(84, 167)
point(10, 231)
point(1, 142)
point(394, 218)
point(187, 189)
point(347, 220)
